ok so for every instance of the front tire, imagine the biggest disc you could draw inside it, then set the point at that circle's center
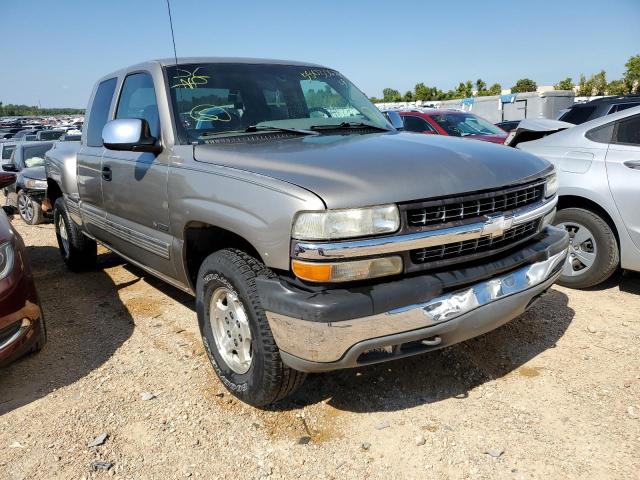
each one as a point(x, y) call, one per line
point(235, 330)
point(78, 251)
point(593, 250)
point(30, 211)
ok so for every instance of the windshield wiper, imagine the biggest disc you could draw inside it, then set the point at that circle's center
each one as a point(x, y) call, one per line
point(348, 125)
point(261, 128)
point(258, 128)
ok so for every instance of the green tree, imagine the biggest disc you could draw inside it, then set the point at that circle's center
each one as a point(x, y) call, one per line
point(495, 89)
point(524, 85)
point(600, 82)
point(566, 84)
point(422, 92)
point(408, 96)
point(585, 87)
point(391, 95)
point(481, 86)
point(632, 74)
point(12, 110)
point(617, 87)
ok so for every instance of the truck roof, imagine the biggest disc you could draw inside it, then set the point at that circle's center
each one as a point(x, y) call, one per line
point(185, 60)
point(163, 62)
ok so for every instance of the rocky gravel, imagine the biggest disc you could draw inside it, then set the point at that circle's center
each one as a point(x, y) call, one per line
point(123, 389)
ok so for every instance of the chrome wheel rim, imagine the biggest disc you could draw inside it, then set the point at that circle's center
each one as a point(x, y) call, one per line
point(582, 249)
point(25, 208)
point(64, 236)
point(230, 327)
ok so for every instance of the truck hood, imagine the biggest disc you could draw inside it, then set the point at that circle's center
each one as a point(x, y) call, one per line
point(358, 170)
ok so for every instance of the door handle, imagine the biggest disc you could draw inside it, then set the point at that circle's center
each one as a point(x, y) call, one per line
point(106, 173)
point(635, 164)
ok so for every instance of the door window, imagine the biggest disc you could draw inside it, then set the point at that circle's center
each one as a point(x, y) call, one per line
point(99, 113)
point(416, 124)
point(622, 106)
point(628, 131)
point(138, 100)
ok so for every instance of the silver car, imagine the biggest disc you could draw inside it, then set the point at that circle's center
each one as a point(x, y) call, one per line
point(598, 165)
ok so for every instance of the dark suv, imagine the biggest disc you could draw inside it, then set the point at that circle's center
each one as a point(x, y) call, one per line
point(583, 112)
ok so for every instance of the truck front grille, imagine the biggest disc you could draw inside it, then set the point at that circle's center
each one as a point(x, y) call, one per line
point(461, 250)
point(462, 208)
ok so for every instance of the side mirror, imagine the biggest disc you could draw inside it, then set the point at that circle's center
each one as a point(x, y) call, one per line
point(6, 179)
point(9, 167)
point(394, 119)
point(129, 134)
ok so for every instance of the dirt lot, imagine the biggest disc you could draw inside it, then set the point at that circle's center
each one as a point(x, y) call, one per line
point(553, 394)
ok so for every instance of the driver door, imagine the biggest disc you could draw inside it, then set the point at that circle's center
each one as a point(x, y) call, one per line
point(134, 184)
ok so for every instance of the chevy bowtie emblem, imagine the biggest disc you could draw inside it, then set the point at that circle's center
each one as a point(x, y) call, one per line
point(495, 225)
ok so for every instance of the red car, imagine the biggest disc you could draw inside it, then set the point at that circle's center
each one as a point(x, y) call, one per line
point(453, 123)
point(22, 328)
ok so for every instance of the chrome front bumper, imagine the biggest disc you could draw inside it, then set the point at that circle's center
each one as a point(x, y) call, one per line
point(442, 321)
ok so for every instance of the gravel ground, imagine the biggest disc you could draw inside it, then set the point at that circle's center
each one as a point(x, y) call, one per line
point(553, 394)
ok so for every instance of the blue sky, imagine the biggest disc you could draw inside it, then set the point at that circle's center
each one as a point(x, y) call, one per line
point(52, 52)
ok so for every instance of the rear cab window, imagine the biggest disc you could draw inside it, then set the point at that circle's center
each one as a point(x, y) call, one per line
point(99, 113)
point(7, 150)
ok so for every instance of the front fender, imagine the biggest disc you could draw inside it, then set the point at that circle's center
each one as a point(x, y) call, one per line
point(257, 208)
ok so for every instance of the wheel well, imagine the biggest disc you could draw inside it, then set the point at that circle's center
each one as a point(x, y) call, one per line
point(201, 240)
point(571, 201)
point(53, 191)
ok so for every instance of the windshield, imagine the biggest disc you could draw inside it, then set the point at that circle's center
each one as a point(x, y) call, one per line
point(219, 99)
point(34, 156)
point(461, 125)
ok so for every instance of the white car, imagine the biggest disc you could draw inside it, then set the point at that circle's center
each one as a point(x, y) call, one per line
point(598, 165)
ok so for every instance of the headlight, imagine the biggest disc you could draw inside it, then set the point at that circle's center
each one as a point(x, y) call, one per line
point(348, 223)
point(347, 271)
point(551, 187)
point(35, 184)
point(6, 259)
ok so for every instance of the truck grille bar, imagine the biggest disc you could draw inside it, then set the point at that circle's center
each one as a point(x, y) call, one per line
point(479, 245)
point(461, 208)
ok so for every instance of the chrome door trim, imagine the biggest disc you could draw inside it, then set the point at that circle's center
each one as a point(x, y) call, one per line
point(150, 244)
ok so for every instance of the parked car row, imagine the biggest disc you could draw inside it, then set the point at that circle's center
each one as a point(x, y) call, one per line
point(23, 154)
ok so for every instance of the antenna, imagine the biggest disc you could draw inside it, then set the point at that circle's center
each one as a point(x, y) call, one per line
point(173, 38)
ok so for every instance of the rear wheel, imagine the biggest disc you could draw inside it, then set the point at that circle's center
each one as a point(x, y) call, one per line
point(78, 251)
point(30, 211)
point(235, 330)
point(593, 250)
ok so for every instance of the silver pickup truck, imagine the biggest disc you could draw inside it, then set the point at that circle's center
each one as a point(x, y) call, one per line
point(313, 234)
